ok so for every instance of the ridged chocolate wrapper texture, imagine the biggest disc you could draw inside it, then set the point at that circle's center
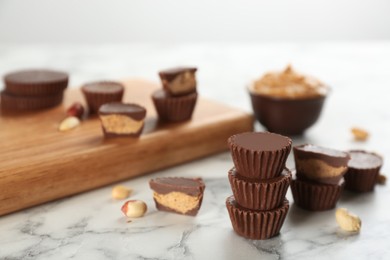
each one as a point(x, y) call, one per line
point(35, 82)
point(174, 109)
point(25, 103)
point(363, 171)
point(260, 195)
point(260, 155)
point(102, 92)
point(314, 196)
point(256, 224)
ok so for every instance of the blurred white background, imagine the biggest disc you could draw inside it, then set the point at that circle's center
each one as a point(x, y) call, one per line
point(181, 21)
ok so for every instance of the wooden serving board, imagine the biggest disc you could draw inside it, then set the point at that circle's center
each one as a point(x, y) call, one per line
point(39, 164)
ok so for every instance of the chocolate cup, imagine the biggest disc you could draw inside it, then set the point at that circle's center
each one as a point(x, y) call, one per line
point(95, 99)
point(319, 164)
point(11, 103)
point(35, 82)
point(188, 186)
point(362, 179)
point(316, 197)
point(174, 109)
point(260, 195)
point(259, 165)
point(256, 225)
point(286, 116)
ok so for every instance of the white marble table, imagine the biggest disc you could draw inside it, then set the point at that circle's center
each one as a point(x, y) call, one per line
point(91, 225)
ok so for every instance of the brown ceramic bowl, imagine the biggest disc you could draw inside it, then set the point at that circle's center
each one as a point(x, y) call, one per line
point(286, 116)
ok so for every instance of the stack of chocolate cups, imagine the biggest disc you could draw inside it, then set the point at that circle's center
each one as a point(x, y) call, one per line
point(28, 90)
point(176, 101)
point(259, 182)
point(318, 182)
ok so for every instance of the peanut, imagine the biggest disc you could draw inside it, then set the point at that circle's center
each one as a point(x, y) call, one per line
point(120, 192)
point(134, 208)
point(359, 134)
point(69, 123)
point(381, 179)
point(76, 110)
point(348, 221)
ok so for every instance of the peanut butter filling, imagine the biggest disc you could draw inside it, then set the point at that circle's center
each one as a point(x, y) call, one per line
point(288, 84)
point(121, 124)
point(183, 83)
point(178, 201)
point(317, 169)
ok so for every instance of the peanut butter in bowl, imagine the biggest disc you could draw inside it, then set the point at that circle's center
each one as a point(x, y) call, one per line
point(287, 102)
point(288, 84)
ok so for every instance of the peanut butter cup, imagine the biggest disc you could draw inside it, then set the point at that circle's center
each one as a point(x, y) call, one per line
point(178, 195)
point(179, 81)
point(363, 171)
point(35, 82)
point(316, 196)
point(259, 155)
point(319, 164)
point(174, 109)
point(121, 119)
point(14, 103)
point(254, 224)
point(260, 194)
point(102, 92)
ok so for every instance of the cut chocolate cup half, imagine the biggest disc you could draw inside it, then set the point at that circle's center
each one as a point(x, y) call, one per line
point(122, 119)
point(256, 225)
point(259, 155)
point(363, 171)
point(35, 82)
point(319, 164)
point(102, 92)
point(315, 196)
point(260, 195)
point(179, 81)
point(174, 109)
point(178, 195)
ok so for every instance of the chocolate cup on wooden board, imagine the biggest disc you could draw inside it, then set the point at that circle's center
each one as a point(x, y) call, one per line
point(122, 119)
point(256, 225)
point(319, 164)
point(35, 82)
point(13, 103)
point(286, 116)
point(260, 195)
point(174, 109)
point(179, 81)
point(314, 196)
point(101, 92)
point(363, 171)
point(260, 155)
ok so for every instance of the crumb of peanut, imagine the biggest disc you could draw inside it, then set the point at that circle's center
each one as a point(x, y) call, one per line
point(381, 179)
point(359, 134)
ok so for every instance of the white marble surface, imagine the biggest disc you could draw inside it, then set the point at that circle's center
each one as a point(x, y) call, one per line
point(91, 225)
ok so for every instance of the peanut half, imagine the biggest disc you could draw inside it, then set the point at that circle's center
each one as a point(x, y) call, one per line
point(120, 192)
point(348, 221)
point(134, 208)
point(69, 123)
point(359, 134)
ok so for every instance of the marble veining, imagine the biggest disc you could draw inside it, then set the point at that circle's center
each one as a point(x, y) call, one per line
point(91, 225)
